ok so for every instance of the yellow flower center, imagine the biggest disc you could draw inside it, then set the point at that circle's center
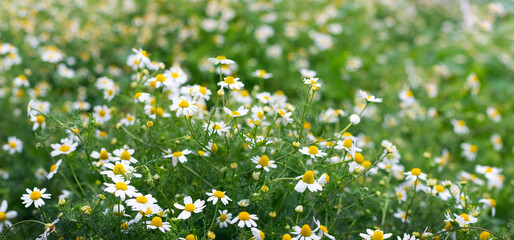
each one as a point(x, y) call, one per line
point(104, 155)
point(156, 221)
point(493, 202)
point(461, 123)
point(183, 104)
point(223, 217)
point(465, 216)
point(64, 148)
point(347, 143)
point(245, 93)
point(219, 194)
point(145, 53)
point(53, 167)
point(130, 118)
point(377, 235)
point(12, 144)
point(399, 194)
point(286, 237)
point(118, 169)
point(409, 94)
point(308, 177)
point(191, 237)
point(261, 234)
point(121, 186)
point(416, 171)
point(282, 113)
point(448, 226)
point(216, 127)
point(101, 113)
point(159, 112)
point(260, 114)
point(439, 188)
point(160, 78)
point(221, 57)
point(174, 75)
point(485, 235)
point(35, 195)
point(366, 164)
point(200, 152)
point(313, 150)
point(141, 199)
point(323, 228)
point(125, 155)
point(306, 231)
point(3, 216)
point(137, 95)
point(473, 148)
point(244, 216)
point(230, 80)
point(40, 119)
point(264, 161)
point(189, 207)
point(358, 158)
point(178, 154)
point(235, 113)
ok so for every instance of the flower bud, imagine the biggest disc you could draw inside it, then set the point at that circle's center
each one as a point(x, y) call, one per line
point(299, 209)
point(86, 210)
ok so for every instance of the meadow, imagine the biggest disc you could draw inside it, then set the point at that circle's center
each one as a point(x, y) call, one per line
point(268, 119)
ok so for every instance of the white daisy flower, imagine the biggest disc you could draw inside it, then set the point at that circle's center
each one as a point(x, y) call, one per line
point(459, 126)
point(264, 162)
point(65, 147)
point(120, 169)
point(49, 229)
point(257, 234)
point(53, 169)
point(241, 111)
point(101, 114)
point(414, 174)
point(35, 196)
point(245, 219)
point(262, 74)
point(120, 188)
point(305, 233)
point(307, 181)
point(369, 98)
point(488, 202)
point(215, 195)
point(312, 82)
point(157, 223)
point(103, 155)
point(141, 58)
point(221, 60)
point(184, 106)
point(124, 155)
point(39, 122)
point(6, 215)
point(190, 207)
point(469, 151)
point(375, 235)
point(142, 202)
point(142, 97)
point(129, 120)
point(178, 156)
point(13, 145)
point(323, 230)
point(216, 127)
point(224, 218)
point(231, 82)
point(312, 151)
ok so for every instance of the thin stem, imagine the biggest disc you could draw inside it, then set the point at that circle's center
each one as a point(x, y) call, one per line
point(75, 176)
point(410, 204)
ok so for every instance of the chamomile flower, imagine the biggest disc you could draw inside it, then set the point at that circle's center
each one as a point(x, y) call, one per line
point(178, 156)
point(488, 202)
point(35, 196)
point(103, 155)
point(375, 235)
point(189, 237)
point(154, 112)
point(157, 223)
point(324, 179)
point(241, 111)
point(312, 82)
point(224, 218)
point(129, 120)
point(53, 169)
point(415, 174)
point(221, 60)
point(323, 230)
point(65, 147)
point(305, 233)
point(245, 219)
point(13, 145)
point(369, 98)
point(190, 207)
point(142, 202)
point(264, 162)
point(312, 151)
point(407, 97)
point(307, 181)
point(401, 194)
point(441, 192)
point(39, 122)
point(401, 215)
point(141, 58)
point(216, 195)
point(257, 234)
point(459, 126)
point(407, 237)
point(21, 80)
point(496, 141)
point(469, 151)
point(49, 229)
point(102, 114)
point(120, 188)
point(200, 92)
point(243, 203)
point(230, 82)
point(262, 74)
point(124, 155)
point(184, 106)
point(465, 219)
point(142, 97)
point(120, 169)
point(494, 114)
point(6, 215)
point(216, 127)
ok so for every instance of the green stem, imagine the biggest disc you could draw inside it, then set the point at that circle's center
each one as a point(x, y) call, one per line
point(75, 176)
